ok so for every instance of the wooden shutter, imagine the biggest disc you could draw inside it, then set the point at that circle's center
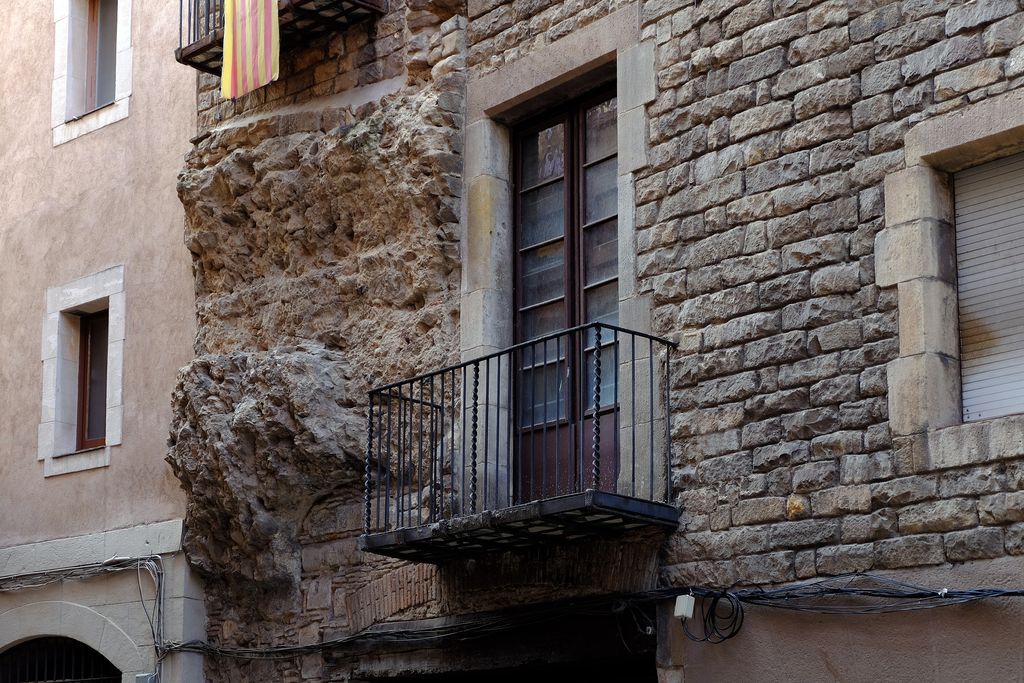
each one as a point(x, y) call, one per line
point(990, 273)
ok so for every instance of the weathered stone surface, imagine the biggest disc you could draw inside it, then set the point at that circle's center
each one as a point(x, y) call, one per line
point(1014, 541)
point(909, 551)
point(1002, 507)
point(242, 421)
point(815, 475)
point(845, 559)
point(758, 510)
point(948, 54)
point(939, 515)
point(841, 500)
point(973, 544)
point(977, 13)
point(770, 568)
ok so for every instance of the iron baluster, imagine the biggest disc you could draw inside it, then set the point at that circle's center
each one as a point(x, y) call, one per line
point(476, 410)
point(597, 407)
point(366, 473)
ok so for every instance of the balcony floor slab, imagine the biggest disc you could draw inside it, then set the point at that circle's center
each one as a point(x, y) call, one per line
point(559, 519)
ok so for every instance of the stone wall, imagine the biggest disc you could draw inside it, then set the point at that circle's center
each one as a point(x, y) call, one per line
point(324, 239)
point(325, 246)
point(774, 127)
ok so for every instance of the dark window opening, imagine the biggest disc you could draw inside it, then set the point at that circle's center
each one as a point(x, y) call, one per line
point(56, 660)
point(92, 380)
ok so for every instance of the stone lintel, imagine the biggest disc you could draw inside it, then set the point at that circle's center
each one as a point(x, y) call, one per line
point(981, 132)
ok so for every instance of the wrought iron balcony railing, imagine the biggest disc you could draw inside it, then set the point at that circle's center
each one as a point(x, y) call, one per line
point(560, 437)
point(201, 25)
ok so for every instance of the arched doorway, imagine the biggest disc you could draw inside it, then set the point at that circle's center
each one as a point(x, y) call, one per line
point(55, 659)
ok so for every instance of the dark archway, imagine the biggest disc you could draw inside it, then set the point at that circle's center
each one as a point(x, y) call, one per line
point(55, 660)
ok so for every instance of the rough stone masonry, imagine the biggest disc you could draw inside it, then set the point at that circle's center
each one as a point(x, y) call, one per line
point(326, 258)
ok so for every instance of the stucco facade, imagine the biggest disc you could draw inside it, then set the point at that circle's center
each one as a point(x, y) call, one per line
point(89, 218)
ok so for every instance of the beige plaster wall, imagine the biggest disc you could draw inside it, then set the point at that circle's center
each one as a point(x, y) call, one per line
point(103, 199)
point(979, 642)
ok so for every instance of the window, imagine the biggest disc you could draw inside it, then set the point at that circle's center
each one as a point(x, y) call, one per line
point(101, 53)
point(566, 275)
point(92, 380)
point(989, 206)
point(83, 358)
point(92, 66)
point(55, 660)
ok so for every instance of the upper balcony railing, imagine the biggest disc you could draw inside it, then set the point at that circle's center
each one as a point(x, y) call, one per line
point(201, 25)
point(556, 438)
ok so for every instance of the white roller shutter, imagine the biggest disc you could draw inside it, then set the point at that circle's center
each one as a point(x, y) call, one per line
point(990, 280)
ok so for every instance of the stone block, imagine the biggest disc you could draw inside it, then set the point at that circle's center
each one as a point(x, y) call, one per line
point(864, 468)
point(908, 37)
point(973, 544)
point(845, 559)
point(955, 446)
point(760, 119)
point(928, 320)
point(771, 33)
point(938, 515)
point(836, 279)
point(1001, 508)
point(909, 551)
point(881, 77)
point(837, 443)
point(810, 423)
point(636, 75)
point(861, 528)
point(769, 568)
point(962, 137)
point(841, 500)
point(924, 392)
point(632, 140)
point(756, 67)
point(968, 78)
point(769, 457)
point(915, 193)
point(973, 14)
point(759, 510)
point(1014, 541)
point(948, 54)
point(803, 533)
point(821, 98)
point(815, 475)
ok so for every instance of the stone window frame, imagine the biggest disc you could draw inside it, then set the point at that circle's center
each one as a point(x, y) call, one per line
point(916, 253)
point(57, 438)
point(510, 93)
point(66, 120)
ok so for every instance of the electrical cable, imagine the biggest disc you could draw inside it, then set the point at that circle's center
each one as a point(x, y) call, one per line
point(721, 611)
point(719, 626)
point(721, 616)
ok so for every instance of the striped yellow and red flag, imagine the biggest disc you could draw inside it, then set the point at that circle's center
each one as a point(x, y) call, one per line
point(251, 46)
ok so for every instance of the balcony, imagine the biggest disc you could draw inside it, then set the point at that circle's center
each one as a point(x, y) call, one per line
point(201, 25)
point(552, 440)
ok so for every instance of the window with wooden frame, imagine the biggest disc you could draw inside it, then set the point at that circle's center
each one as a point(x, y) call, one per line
point(101, 53)
point(566, 275)
point(92, 380)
